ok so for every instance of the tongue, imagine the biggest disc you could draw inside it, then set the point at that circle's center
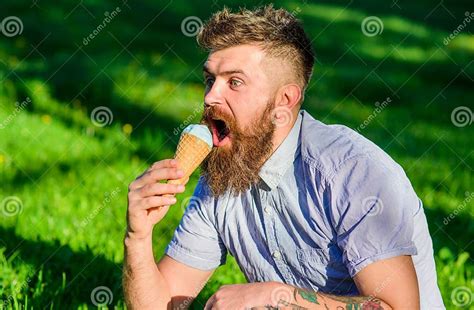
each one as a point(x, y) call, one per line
point(223, 133)
point(217, 138)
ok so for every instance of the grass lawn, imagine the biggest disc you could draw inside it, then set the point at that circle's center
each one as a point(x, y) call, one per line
point(64, 177)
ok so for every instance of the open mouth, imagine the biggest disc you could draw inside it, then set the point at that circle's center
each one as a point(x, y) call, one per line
point(220, 132)
point(222, 129)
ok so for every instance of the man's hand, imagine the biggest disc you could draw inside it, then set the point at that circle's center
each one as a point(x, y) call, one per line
point(386, 284)
point(276, 295)
point(242, 296)
point(145, 285)
point(149, 200)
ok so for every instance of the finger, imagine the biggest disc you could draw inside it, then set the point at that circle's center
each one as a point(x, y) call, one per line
point(156, 201)
point(156, 175)
point(210, 302)
point(165, 163)
point(159, 189)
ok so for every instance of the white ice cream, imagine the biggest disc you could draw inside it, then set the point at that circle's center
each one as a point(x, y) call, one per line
point(200, 131)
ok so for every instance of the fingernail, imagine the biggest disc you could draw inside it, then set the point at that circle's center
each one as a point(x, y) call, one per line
point(180, 187)
point(180, 173)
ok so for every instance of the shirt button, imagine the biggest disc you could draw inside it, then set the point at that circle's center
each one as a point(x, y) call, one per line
point(267, 210)
point(276, 254)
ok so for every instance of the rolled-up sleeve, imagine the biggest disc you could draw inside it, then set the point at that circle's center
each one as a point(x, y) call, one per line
point(196, 241)
point(372, 204)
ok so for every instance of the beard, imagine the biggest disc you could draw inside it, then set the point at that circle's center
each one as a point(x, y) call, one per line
point(236, 168)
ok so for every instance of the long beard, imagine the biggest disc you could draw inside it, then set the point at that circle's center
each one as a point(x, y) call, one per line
point(236, 168)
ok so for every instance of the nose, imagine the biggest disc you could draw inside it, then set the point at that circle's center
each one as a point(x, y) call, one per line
point(214, 95)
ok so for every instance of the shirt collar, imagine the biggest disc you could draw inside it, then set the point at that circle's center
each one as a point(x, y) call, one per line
point(275, 167)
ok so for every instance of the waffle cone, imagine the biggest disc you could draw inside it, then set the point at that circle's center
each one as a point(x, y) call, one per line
point(190, 153)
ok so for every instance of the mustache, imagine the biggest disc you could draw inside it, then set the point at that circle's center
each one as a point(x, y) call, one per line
point(235, 169)
point(214, 113)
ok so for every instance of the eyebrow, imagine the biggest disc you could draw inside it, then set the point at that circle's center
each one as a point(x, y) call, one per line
point(228, 72)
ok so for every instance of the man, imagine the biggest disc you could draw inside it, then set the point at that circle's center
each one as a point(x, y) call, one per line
point(317, 216)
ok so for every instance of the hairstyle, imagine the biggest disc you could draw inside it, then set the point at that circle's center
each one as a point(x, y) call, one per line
point(276, 31)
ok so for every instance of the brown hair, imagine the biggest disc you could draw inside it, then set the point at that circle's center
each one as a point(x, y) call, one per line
point(277, 31)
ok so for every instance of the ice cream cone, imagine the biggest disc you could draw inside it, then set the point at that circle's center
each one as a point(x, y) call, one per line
point(191, 151)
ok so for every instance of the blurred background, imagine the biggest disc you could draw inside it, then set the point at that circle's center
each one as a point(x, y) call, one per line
point(93, 92)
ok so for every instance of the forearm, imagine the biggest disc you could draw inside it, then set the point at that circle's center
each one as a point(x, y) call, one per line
point(306, 299)
point(144, 286)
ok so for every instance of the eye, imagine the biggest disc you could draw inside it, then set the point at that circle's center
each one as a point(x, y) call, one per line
point(235, 83)
point(208, 81)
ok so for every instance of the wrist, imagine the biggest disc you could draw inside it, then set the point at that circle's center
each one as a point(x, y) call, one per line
point(133, 239)
point(138, 248)
point(281, 294)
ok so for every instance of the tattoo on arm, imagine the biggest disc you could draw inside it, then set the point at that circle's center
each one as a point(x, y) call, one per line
point(283, 302)
point(346, 302)
point(357, 303)
point(307, 295)
point(351, 302)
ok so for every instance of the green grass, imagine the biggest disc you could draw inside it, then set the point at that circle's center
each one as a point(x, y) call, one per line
point(70, 177)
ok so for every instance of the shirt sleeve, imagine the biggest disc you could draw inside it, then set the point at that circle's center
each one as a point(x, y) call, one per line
point(196, 241)
point(372, 205)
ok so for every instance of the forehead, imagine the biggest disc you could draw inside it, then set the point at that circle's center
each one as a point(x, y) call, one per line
point(244, 57)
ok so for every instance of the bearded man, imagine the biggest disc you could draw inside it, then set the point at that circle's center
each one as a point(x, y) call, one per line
point(316, 216)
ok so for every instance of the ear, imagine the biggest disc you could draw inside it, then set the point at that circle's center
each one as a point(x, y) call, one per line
point(288, 96)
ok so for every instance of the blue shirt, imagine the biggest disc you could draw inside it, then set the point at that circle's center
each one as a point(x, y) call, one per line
point(329, 203)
